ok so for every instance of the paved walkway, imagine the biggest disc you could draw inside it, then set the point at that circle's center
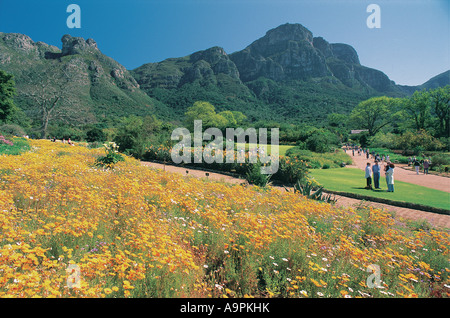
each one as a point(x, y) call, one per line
point(437, 220)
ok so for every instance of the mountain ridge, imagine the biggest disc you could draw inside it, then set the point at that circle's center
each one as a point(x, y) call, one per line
point(287, 59)
point(288, 75)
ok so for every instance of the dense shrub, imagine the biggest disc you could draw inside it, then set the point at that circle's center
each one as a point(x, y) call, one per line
point(321, 141)
point(254, 176)
point(12, 130)
point(66, 132)
point(95, 134)
point(320, 160)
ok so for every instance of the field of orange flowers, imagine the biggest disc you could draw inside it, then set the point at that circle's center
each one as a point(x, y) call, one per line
point(71, 229)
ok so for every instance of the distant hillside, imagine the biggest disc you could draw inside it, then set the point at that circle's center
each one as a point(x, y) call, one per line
point(95, 86)
point(440, 80)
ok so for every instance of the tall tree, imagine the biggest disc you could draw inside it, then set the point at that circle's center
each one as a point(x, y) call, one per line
point(7, 93)
point(440, 101)
point(417, 109)
point(53, 91)
point(205, 112)
point(374, 114)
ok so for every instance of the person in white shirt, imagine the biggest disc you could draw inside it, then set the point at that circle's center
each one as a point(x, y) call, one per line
point(368, 176)
point(390, 178)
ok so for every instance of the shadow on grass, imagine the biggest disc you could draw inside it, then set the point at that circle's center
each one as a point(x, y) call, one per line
point(374, 190)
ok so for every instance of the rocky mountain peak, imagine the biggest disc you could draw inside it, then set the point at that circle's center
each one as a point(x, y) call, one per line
point(345, 53)
point(284, 53)
point(211, 55)
point(287, 32)
point(76, 45)
point(19, 41)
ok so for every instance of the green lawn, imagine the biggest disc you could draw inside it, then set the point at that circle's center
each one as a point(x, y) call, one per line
point(281, 148)
point(352, 180)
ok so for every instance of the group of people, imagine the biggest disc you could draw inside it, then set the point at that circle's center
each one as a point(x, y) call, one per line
point(64, 141)
point(416, 163)
point(367, 153)
point(375, 170)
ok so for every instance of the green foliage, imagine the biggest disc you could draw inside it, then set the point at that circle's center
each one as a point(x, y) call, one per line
point(417, 109)
point(440, 101)
point(134, 134)
point(440, 161)
point(314, 192)
point(375, 113)
point(382, 140)
point(254, 176)
point(320, 160)
point(7, 93)
point(95, 134)
point(112, 156)
point(321, 141)
point(206, 112)
point(66, 132)
point(12, 130)
point(418, 141)
point(13, 146)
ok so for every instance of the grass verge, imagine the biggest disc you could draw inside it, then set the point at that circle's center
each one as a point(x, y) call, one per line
point(351, 180)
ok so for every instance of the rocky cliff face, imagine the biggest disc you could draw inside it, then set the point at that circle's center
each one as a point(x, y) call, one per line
point(15, 44)
point(203, 66)
point(290, 52)
point(287, 69)
point(286, 53)
point(76, 45)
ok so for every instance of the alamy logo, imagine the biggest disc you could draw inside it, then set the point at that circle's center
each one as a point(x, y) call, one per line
point(374, 19)
point(74, 20)
point(73, 278)
point(374, 280)
point(214, 152)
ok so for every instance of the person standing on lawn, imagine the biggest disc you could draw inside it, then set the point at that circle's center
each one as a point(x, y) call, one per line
point(386, 168)
point(376, 175)
point(390, 178)
point(368, 176)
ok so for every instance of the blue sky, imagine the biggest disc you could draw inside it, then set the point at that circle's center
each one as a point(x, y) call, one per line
point(412, 45)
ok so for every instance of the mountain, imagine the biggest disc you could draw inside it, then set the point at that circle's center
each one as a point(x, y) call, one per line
point(87, 84)
point(207, 75)
point(287, 75)
point(440, 80)
point(290, 52)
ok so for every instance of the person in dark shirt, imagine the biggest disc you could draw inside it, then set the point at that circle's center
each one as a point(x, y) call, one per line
point(376, 175)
